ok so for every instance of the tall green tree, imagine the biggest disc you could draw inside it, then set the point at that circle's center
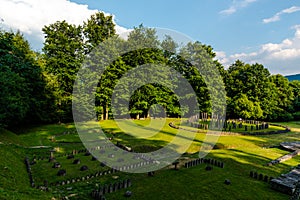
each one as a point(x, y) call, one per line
point(195, 62)
point(253, 81)
point(23, 99)
point(65, 48)
point(97, 29)
point(295, 85)
point(284, 97)
point(245, 108)
point(145, 49)
point(64, 53)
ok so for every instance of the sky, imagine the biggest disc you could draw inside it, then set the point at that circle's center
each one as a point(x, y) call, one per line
point(262, 31)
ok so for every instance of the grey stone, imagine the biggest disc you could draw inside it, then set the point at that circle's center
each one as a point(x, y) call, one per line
point(70, 156)
point(61, 172)
point(208, 168)
point(227, 182)
point(56, 165)
point(83, 168)
point(125, 184)
point(128, 194)
point(76, 162)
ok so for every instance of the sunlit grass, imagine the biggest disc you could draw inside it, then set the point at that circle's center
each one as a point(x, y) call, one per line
point(241, 154)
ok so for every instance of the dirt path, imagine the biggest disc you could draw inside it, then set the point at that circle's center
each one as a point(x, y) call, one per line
point(295, 129)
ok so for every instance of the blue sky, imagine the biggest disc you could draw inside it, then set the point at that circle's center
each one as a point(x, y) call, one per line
point(202, 20)
point(261, 31)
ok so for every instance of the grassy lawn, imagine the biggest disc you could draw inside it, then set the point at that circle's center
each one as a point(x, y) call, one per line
point(14, 182)
point(295, 126)
point(241, 154)
point(43, 169)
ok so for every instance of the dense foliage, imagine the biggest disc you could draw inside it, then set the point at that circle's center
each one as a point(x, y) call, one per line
point(253, 93)
point(24, 97)
point(37, 87)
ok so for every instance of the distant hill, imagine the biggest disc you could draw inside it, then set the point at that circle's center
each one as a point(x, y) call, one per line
point(293, 77)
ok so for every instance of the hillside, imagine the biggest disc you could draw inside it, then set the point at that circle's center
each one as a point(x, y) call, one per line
point(293, 77)
point(14, 181)
point(241, 154)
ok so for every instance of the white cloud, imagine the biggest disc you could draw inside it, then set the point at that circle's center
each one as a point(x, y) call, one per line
point(30, 16)
point(228, 11)
point(222, 58)
point(235, 6)
point(283, 57)
point(291, 9)
point(277, 16)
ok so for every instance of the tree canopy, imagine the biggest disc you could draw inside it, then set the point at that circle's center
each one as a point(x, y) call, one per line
point(37, 87)
point(22, 83)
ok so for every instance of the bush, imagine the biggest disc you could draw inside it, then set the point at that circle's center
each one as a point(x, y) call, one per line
point(296, 116)
point(281, 117)
point(286, 117)
point(219, 146)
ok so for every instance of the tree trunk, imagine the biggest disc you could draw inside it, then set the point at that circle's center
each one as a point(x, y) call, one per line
point(103, 112)
point(106, 112)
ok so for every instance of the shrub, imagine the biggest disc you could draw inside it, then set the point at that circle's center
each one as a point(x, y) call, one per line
point(296, 116)
point(219, 146)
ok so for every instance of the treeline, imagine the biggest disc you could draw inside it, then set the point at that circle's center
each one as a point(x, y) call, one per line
point(37, 87)
point(255, 94)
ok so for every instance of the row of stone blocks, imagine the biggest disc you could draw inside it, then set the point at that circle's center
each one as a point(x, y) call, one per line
point(97, 174)
point(199, 125)
point(260, 177)
point(99, 193)
point(75, 152)
point(27, 163)
point(74, 131)
point(230, 125)
point(83, 178)
point(132, 166)
point(74, 180)
point(203, 161)
point(251, 127)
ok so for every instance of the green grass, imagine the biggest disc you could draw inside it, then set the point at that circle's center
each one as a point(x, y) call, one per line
point(241, 154)
point(14, 181)
point(8, 137)
point(43, 169)
point(197, 183)
point(295, 126)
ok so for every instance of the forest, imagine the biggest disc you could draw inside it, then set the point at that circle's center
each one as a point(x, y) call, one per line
point(36, 87)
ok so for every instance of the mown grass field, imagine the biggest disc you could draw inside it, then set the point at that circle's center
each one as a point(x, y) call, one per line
point(241, 154)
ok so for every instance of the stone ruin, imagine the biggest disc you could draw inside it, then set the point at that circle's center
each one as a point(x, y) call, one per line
point(286, 183)
point(110, 188)
point(290, 146)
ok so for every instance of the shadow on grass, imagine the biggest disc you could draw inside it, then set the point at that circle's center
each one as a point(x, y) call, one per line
point(197, 183)
point(167, 132)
